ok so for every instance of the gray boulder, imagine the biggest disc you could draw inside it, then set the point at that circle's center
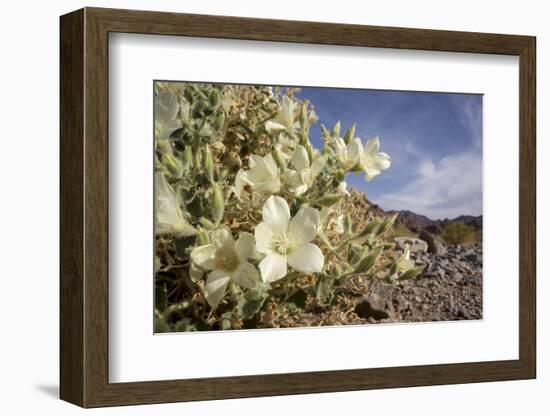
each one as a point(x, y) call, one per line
point(416, 245)
point(434, 246)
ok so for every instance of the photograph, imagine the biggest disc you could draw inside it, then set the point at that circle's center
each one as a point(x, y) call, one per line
point(282, 206)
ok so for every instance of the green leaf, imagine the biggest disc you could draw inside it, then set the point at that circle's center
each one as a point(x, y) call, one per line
point(372, 227)
point(411, 273)
point(386, 225)
point(366, 263)
point(329, 200)
point(324, 290)
point(251, 303)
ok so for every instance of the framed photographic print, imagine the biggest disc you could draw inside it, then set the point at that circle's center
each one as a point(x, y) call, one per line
point(261, 207)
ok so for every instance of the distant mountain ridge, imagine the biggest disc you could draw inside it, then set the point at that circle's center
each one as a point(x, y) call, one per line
point(416, 222)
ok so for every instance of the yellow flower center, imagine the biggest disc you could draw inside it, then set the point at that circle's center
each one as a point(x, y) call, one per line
point(226, 260)
point(283, 243)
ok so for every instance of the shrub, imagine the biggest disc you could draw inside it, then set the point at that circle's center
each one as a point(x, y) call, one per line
point(250, 219)
point(457, 232)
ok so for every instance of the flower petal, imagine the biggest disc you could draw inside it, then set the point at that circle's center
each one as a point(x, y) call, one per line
point(166, 107)
point(215, 287)
point(272, 126)
point(355, 148)
point(382, 161)
point(271, 165)
point(203, 256)
point(317, 166)
point(372, 146)
point(246, 275)
point(370, 173)
point(304, 225)
point(276, 214)
point(306, 258)
point(300, 159)
point(221, 237)
point(270, 187)
point(273, 267)
point(241, 180)
point(263, 236)
point(245, 246)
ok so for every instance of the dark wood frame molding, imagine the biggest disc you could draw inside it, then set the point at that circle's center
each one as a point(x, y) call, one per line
point(84, 207)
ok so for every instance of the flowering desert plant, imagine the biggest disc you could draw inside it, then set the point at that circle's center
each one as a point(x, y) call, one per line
point(254, 225)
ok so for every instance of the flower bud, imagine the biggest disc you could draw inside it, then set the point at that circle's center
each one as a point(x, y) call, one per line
point(220, 120)
point(347, 224)
point(202, 237)
point(187, 157)
point(208, 164)
point(336, 130)
point(324, 131)
point(303, 116)
point(350, 133)
point(197, 158)
point(279, 159)
point(222, 175)
point(173, 165)
point(214, 98)
point(218, 204)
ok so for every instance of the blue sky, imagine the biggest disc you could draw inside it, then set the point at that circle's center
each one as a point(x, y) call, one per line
point(433, 139)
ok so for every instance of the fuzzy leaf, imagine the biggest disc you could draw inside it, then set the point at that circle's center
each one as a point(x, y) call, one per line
point(251, 303)
point(324, 290)
point(411, 273)
point(366, 263)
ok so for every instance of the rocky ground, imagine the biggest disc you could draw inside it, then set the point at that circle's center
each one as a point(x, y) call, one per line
point(450, 288)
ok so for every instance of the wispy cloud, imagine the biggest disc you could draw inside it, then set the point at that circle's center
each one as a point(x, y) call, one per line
point(469, 112)
point(434, 140)
point(446, 189)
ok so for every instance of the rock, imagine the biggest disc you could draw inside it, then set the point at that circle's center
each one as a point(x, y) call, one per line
point(377, 302)
point(434, 246)
point(416, 245)
point(473, 258)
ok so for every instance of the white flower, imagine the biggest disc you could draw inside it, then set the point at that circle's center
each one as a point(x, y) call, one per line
point(373, 162)
point(168, 213)
point(285, 241)
point(263, 175)
point(302, 177)
point(348, 154)
point(404, 262)
point(343, 187)
point(166, 112)
point(227, 260)
point(284, 120)
point(286, 146)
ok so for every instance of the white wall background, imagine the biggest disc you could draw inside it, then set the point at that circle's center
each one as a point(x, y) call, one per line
point(29, 207)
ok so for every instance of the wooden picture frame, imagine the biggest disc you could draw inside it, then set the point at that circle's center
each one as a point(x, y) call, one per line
point(84, 207)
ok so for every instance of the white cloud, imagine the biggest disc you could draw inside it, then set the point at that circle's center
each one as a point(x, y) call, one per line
point(470, 115)
point(446, 189)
